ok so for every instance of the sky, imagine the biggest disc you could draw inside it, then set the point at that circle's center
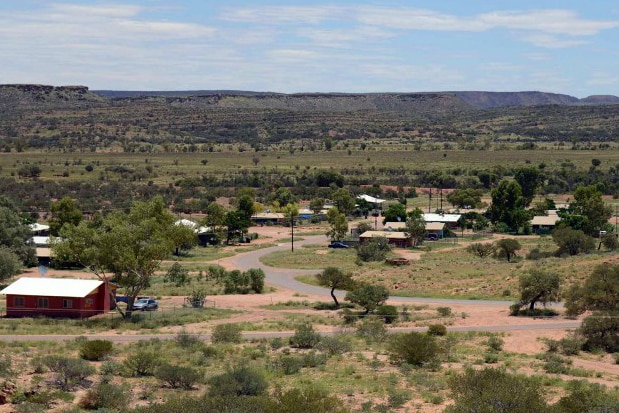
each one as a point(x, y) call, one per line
point(356, 46)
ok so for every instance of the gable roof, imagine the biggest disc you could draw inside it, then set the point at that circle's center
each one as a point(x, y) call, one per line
point(52, 287)
point(550, 220)
point(371, 199)
point(450, 218)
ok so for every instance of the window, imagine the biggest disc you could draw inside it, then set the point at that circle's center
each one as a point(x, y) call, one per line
point(88, 302)
point(18, 301)
point(67, 303)
point(42, 302)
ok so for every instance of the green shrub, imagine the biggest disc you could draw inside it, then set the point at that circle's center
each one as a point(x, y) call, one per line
point(372, 328)
point(238, 381)
point(105, 396)
point(305, 337)
point(5, 366)
point(95, 350)
point(227, 333)
point(388, 313)
point(69, 371)
point(491, 358)
point(333, 345)
point(110, 368)
point(398, 397)
point(413, 348)
point(375, 249)
point(287, 364)
point(313, 359)
point(495, 343)
point(437, 330)
point(177, 377)
point(141, 363)
point(444, 311)
point(571, 345)
point(185, 340)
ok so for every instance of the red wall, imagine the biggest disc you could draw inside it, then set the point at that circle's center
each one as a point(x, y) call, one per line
point(100, 304)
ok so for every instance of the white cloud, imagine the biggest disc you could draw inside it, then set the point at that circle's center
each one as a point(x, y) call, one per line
point(552, 42)
point(275, 15)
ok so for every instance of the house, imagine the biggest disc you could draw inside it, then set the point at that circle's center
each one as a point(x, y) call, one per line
point(39, 229)
point(431, 227)
point(542, 224)
point(397, 238)
point(206, 235)
point(268, 218)
point(450, 220)
point(57, 297)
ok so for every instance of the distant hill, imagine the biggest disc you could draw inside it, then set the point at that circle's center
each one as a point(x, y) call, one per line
point(487, 100)
point(44, 96)
point(439, 103)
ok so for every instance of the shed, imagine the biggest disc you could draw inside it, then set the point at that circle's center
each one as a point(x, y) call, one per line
point(56, 297)
point(268, 218)
point(451, 220)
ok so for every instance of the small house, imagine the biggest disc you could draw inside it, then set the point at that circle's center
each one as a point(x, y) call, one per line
point(542, 224)
point(56, 297)
point(268, 218)
point(397, 238)
point(450, 220)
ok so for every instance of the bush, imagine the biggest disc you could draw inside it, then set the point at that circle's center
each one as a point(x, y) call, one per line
point(372, 329)
point(333, 345)
point(142, 363)
point(177, 377)
point(185, 340)
point(368, 296)
point(495, 343)
point(227, 333)
point(287, 364)
point(375, 249)
point(95, 350)
point(5, 366)
point(69, 371)
point(481, 250)
point(177, 275)
point(305, 337)
point(413, 348)
point(256, 279)
point(388, 313)
point(494, 390)
point(239, 381)
point(105, 396)
point(444, 311)
point(437, 330)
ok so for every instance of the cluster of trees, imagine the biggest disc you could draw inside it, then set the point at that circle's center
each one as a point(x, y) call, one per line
point(15, 252)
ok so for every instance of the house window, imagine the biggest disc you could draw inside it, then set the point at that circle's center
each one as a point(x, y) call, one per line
point(88, 302)
point(42, 302)
point(67, 303)
point(18, 301)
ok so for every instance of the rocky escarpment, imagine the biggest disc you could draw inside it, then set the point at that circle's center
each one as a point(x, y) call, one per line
point(16, 96)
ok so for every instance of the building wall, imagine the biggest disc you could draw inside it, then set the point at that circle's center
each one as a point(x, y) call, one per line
point(81, 307)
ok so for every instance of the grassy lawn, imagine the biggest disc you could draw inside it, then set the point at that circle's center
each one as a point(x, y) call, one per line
point(446, 270)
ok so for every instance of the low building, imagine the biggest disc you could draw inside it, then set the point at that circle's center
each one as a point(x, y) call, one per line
point(269, 218)
point(397, 238)
point(545, 224)
point(56, 297)
point(450, 220)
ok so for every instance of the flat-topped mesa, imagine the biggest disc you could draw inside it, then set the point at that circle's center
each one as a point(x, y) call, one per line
point(44, 88)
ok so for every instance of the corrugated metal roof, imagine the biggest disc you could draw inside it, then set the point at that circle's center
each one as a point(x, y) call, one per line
point(386, 234)
point(549, 220)
point(52, 287)
point(451, 218)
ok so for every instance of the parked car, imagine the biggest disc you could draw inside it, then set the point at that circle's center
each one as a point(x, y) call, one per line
point(432, 236)
point(145, 304)
point(338, 244)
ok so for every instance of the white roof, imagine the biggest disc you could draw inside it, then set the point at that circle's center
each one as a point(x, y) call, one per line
point(453, 218)
point(371, 199)
point(394, 225)
point(36, 227)
point(52, 287)
point(39, 240)
point(192, 225)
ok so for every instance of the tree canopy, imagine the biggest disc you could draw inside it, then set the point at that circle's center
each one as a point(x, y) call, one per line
point(333, 277)
point(539, 286)
point(127, 247)
point(588, 203)
point(508, 205)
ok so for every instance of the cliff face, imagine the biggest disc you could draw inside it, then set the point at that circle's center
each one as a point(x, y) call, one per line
point(30, 96)
point(43, 96)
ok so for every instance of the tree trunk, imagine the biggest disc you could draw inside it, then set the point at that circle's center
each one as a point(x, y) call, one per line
point(337, 304)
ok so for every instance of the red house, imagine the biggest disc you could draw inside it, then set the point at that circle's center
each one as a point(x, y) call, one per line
point(56, 297)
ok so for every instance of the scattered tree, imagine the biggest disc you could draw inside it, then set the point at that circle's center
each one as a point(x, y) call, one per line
point(463, 198)
point(374, 249)
point(571, 241)
point(529, 178)
point(368, 296)
point(9, 264)
point(539, 286)
point(127, 246)
point(333, 278)
point(508, 206)
point(588, 202)
point(338, 225)
point(63, 212)
point(177, 274)
point(415, 228)
point(507, 248)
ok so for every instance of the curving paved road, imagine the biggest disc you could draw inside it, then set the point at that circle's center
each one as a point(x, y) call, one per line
point(285, 278)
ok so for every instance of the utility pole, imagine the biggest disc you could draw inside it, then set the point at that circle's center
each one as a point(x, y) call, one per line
point(430, 201)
